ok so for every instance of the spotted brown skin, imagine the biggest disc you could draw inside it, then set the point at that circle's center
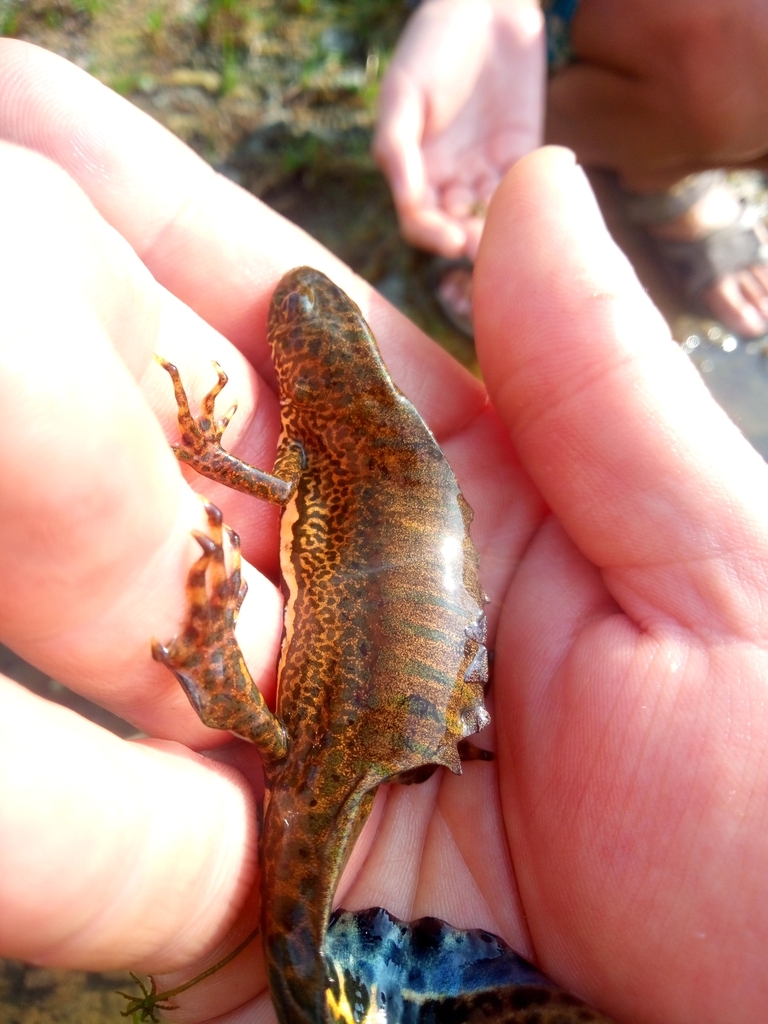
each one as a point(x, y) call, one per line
point(383, 668)
point(383, 662)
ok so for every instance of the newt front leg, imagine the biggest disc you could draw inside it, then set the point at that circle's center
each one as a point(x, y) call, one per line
point(206, 657)
point(200, 447)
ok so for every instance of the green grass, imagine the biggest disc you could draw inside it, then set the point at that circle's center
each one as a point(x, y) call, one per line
point(91, 7)
point(231, 68)
point(52, 14)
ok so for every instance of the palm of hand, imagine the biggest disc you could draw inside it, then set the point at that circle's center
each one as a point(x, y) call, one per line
point(600, 791)
point(471, 141)
point(446, 140)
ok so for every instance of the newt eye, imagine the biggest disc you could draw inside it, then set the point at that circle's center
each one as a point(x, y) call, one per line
point(297, 303)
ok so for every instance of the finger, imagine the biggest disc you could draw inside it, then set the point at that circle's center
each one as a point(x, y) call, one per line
point(103, 842)
point(161, 197)
point(206, 240)
point(754, 291)
point(458, 200)
point(474, 229)
point(648, 476)
point(397, 141)
point(95, 516)
point(432, 229)
point(236, 992)
point(732, 304)
point(400, 155)
point(631, 750)
point(398, 149)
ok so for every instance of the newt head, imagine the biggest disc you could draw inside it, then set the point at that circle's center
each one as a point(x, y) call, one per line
point(323, 350)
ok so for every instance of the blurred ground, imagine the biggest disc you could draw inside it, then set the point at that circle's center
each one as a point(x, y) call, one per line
point(280, 97)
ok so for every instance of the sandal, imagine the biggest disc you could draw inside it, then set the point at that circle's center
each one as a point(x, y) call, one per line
point(696, 264)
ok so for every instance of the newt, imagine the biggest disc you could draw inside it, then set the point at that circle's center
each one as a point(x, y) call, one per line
point(383, 662)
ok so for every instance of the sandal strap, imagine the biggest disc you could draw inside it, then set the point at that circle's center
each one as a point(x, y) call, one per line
point(699, 263)
point(660, 207)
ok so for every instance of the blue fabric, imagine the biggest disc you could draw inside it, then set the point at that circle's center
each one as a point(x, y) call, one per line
point(558, 15)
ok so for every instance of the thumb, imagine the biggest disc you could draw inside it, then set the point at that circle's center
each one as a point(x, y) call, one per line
point(397, 143)
point(649, 478)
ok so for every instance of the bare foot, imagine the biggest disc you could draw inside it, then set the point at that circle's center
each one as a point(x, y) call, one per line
point(453, 292)
point(740, 301)
point(738, 297)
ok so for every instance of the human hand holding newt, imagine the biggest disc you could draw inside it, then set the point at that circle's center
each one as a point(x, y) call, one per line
point(621, 548)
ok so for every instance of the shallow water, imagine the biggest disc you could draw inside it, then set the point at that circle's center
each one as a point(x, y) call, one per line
point(736, 372)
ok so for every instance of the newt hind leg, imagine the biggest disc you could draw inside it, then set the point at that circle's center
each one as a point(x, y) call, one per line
point(206, 657)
